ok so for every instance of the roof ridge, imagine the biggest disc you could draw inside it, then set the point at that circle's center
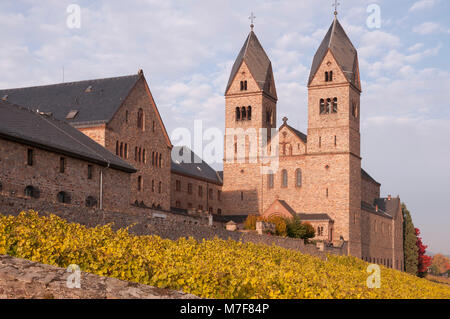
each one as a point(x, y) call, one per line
point(71, 83)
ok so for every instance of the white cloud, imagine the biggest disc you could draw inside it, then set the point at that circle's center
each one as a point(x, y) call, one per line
point(422, 4)
point(427, 28)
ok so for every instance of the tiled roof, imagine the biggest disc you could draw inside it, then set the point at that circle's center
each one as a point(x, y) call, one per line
point(314, 217)
point(302, 136)
point(253, 54)
point(372, 209)
point(196, 168)
point(343, 51)
point(92, 101)
point(24, 126)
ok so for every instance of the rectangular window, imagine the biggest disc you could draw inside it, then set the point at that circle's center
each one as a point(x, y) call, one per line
point(219, 193)
point(210, 193)
point(139, 185)
point(62, 164)
point(30, 157)
point(178, 185)
point(90, 171)
point(200, 191)
point(189, 188)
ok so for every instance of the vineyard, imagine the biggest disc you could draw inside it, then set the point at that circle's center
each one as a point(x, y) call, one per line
point(211, 269)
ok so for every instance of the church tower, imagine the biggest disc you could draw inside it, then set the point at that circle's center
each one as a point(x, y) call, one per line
point(250, 104)
point(333, 161)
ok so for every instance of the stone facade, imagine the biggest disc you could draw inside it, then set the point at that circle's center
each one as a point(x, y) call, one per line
point(48, 181)
point(194, 193)
point(147, 148)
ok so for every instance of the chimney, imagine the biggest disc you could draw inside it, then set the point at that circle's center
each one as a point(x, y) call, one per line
point(389, 197)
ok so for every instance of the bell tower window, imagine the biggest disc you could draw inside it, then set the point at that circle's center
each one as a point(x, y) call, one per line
point(243, 85)
point(322, 106)
point(243, 113)
point(238, 113)
point(329, 76)
point(335, 105)
point(249, 113)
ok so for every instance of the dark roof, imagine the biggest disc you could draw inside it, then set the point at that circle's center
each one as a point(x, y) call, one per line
point(389, 206)
point(287, 207)
point(95, 100)
point(314, 217)
point(253, 54)
point(302, 136)
point(372, 209)
point(343, 51)
point(196, 168)
point(24, 126)
point(366, 176)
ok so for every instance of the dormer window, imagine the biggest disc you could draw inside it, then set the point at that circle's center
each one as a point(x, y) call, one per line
point(243, 85)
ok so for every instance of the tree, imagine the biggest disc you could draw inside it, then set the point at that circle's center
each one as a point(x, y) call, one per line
point(424, 261)
point(440, 263)
point(296, 229)
point(410, 251)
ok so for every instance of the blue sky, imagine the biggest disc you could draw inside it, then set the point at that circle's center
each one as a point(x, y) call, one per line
point(186, 49)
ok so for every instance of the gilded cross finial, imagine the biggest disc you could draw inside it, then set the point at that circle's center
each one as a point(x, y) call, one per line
point(335, 5)
point(252, 19)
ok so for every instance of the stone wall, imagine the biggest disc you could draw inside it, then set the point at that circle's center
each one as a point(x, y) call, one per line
point(20, 278)
point(44, 174)
point(153, 222)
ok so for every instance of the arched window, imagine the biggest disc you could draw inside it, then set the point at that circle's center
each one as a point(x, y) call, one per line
point(238, 113)
point(243, 85)
point(249, 113)
point(63, 197)
point(140, 119)
point(125, 150)
point(328, 106)
point(140, 154)
point(335, 105)
point(31, 191)
point(298, 177)
point(117, 147)
point(91, 201)
point(243, 113)
point(156, 159)
point(153, 158)
point(160, 160)
point(284, 181)
point(330, 76)
point(160, 187)
point(144, 157)
point(270, 180)
point(322, 106)
point(326, 76)
point(121, 150)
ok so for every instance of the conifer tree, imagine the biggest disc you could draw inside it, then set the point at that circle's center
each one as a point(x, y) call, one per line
point(410, 251)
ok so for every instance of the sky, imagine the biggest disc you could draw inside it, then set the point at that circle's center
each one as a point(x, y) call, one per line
point(186, 49)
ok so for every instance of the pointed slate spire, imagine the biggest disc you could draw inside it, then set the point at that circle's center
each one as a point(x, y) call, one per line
point(253, 54)
point(337, 41)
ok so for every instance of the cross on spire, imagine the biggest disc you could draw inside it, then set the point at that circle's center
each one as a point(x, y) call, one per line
point(335, 5)
point(252, 19)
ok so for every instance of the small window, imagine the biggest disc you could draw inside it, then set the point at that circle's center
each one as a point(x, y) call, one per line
point(249, 113)
point(30, 157)
point(330, 76)
point(335, 105)
point(121, 150)
point(242, 196)
point(200, 191)
point(63, 197)
point(153, 186)
point(178, 185)
point(125, 151)
point(326, 76)
point(160, 187)
point(328, 106)
point(354, 109)
point(298, 181)
point(160, 160)
point(140, 119)
point(62, 164)
point(90, 168)
point(219, 194)
point(117, 148)
point(243, 113)
point(284, 182)
point(270, 180)
point(31, 191)
point(320, 141)
point(136, 153)
point(140, 154)
point(210, 193)
point(238, 113)
point(126, 116)
point(243, 85)
point(335, 140)
point(139, 183)
point(322, 106)
point(153, 126)
point(144, 158)
point(91, 201)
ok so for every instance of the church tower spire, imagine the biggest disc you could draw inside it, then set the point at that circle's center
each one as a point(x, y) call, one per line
point(334, 90)
point(250, 108)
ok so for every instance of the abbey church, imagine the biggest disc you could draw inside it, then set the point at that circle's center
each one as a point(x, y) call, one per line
point(102, 143)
